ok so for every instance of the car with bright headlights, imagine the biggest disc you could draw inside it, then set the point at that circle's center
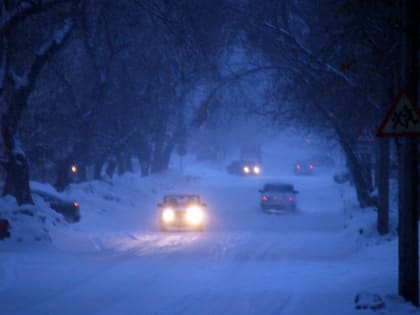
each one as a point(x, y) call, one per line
point(182, 211)
point(246, 167)
point(278, 197)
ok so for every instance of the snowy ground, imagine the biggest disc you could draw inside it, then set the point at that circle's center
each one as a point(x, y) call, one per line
point(246, 262)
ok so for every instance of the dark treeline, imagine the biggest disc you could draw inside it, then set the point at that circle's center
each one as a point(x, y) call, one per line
point(97, 83)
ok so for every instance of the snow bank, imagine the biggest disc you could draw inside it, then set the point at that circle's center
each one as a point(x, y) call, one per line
point(29, 223)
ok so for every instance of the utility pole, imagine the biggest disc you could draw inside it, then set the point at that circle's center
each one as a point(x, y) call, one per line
point(403, 121)
point(408, 178)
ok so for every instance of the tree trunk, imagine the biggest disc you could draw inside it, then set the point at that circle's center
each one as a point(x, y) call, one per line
point(110, 168)
point(63, 174)
point(382, 180)
point(156, 165)
point(161, 162)
point(129, 165)
point(144, 166)
point(359, 176)
point(17, 170)
point(166, 156)
point(98, 168)
point(121, 164)
point(17, 179)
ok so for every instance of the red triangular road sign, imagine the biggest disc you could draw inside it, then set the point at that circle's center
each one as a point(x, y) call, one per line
point(402, 119)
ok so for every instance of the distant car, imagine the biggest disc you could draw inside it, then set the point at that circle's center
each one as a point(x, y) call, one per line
point(242, 168)
point(278, 196)
point(70, 210)
point(304, 168)
point(182, 211)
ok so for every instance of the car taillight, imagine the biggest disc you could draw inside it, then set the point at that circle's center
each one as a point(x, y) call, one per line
point(76, 204)
point(264, 198)
point(298, 166)
point(291, 199)
point(311, 166)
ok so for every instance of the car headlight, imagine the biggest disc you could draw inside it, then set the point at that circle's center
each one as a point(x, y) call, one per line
point(195, 215)
point(257, 169)
point(168, 215)
point(246, 169)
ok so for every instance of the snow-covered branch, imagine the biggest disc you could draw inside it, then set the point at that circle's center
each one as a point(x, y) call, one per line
point(316, 63)
point(203, 111)
point(325, 65)
point(19, 81)
point(28, 78)
point(57, 38)
point(25, 7)
point(7, 17)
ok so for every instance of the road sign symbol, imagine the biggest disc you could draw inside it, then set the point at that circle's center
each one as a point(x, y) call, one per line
point(402, 119)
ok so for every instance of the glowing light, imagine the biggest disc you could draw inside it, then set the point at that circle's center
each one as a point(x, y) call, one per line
point(168, 215)
point(74, 169)
point(298, 166)
point(257, 169)
point(76, 204)
point(311, 166)
point(264, 198)
point(246, 169)
point(290, 198)
point(195, 215)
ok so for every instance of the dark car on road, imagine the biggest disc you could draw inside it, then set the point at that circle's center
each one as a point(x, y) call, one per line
point(278, 196)
point(304, 168)
point(69, 209)
point(179, 211)
point(246, 167)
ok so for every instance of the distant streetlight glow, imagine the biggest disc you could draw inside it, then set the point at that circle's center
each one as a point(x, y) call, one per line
point(74, 169)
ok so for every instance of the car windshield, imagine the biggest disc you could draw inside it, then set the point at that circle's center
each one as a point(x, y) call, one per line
point(278, 188)
point(181, 199)
point(250, 162)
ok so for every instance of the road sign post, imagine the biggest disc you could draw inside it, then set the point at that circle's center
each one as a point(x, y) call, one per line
point(403, 120)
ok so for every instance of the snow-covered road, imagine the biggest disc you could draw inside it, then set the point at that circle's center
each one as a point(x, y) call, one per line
point(246, 262)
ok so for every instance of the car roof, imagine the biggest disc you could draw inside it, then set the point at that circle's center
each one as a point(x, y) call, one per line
point(46, 193)
point(278, 187)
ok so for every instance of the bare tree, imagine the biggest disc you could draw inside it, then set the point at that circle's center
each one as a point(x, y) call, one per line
point(17, 87)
